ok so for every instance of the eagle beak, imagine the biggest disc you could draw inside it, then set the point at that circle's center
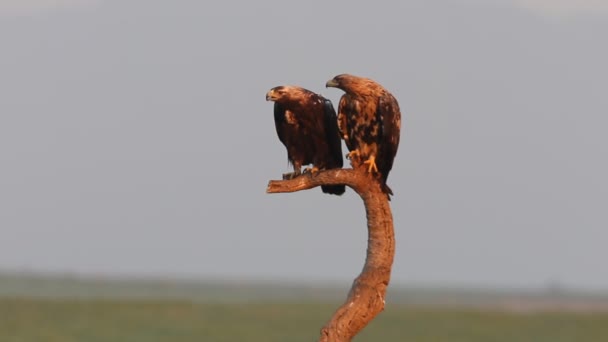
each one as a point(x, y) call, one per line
point(331, 83)
point(269, 96)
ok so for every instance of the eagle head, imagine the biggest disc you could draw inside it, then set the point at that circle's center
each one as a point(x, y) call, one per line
point(353, 84)
point(275, 93)
point(338, 81)
point(285, 94)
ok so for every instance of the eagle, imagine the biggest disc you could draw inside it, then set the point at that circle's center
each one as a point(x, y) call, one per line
point(369, 121)
point(306, 124)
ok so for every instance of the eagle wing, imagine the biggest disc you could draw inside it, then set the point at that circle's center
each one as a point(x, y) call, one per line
point(332, 133)
point(345, 108)
point(390, 123)
point(279, 121)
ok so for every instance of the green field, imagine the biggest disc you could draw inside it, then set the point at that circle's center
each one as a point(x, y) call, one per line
point(35, 320)
point(65, 309)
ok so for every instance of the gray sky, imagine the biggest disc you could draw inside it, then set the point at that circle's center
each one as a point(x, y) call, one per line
point(135, 139)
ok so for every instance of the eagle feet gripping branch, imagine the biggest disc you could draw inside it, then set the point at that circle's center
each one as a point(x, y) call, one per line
point(291, 175)
point(371, 161)
point(354, 157)
point(352, 154)
point(313, 170)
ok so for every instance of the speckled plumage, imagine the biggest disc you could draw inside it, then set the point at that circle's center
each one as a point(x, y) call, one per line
point(369, 121)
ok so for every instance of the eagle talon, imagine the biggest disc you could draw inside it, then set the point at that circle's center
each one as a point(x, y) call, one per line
point(372, 164)
point(312, 170)
point(351, 154)
point(355, 158)
point(290, 175)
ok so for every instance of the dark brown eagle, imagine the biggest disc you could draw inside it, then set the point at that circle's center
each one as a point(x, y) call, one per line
point(369, 121)
point(306, 124)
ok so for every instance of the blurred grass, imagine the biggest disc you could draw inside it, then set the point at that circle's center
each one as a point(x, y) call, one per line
point(46, 308)
point(95, 320)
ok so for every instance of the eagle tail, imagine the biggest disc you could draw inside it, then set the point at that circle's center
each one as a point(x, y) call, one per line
point(333, 189)
point(386, 189)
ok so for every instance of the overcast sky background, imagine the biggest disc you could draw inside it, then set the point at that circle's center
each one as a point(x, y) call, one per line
point(135, 138)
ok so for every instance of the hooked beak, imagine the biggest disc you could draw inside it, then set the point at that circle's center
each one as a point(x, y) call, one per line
point(270, 96)
point(331, 83)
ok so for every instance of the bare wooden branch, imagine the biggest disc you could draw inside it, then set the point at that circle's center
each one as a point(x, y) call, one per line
point(367, 295)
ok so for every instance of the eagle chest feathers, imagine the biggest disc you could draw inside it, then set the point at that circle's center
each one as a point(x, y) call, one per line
point(360, 125)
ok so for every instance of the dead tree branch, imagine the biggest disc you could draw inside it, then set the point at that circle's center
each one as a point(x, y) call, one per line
point(366, 297)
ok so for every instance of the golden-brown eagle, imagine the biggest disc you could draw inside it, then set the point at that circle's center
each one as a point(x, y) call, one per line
point(369, 121)
point(306, 124)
